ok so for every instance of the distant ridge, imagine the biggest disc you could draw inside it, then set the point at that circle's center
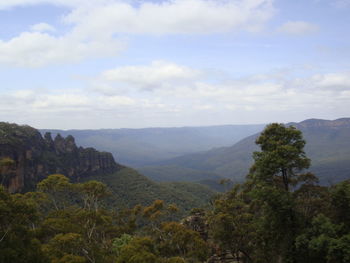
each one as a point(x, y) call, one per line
point(328, 146)
point(140, 147)
point(341, 123)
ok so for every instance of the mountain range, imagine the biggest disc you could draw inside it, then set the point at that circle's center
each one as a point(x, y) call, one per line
point(327, 145)
point(27, 157)
point(140, 147)
point(209, 154)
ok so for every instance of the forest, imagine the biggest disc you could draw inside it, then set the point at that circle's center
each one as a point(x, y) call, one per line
point(279, 214)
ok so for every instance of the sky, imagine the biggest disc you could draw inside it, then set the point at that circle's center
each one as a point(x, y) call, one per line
point(91, 64)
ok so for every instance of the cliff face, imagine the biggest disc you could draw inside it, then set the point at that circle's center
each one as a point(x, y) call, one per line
point(35, 157)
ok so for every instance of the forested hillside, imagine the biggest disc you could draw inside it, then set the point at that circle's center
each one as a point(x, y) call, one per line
point(130, 188)
point(328, 145)
point(28, 158)
point(139, 147)
point(278, 214)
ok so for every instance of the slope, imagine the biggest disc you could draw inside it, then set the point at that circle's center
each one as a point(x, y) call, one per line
point(34, 157)
point(328, 146)
point(130, 188)
point(141, 147)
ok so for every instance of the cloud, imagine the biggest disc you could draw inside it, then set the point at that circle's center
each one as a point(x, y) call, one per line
point(159, 74)
point(298, 28)
point(333, 81)
point(95, 26)
point(113, 101)
point(197, 99)
point(173, 17)
point(36, 49)
point(192, 88)
point(61, 101)
point(7, 4)
point(163, 17)
point(42, 27)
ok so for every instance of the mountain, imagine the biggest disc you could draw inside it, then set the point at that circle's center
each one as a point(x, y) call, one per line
point(328, 146)
point(130, 188)
point(141, 147)
point(35, 157)
point(173, 173)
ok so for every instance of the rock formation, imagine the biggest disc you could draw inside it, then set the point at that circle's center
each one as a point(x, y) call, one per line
point(197, 222)
point(35, 157)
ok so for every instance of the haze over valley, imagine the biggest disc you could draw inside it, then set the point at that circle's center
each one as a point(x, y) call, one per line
point(174, 131)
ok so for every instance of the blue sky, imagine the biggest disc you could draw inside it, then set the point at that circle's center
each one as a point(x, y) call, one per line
point(126, 63)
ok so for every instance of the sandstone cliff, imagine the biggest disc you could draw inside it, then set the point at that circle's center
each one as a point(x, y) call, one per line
point(35, 157)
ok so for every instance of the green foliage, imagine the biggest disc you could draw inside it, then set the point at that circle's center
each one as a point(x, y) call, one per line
point(128, 188)
point(64, 246)
point(18, 219)
point(328, 145)
point(340, 199)
point(280, 214)
point(92, 193)
point(51, 226)
point(323, 242)
point(281, 157)
point(16, 135)
point(177, 240)
point(174, 260)
point(173, 173)
point(232, 223)
point(139, 250)
point(6, 162)
point(119, 243)
point(57, 187)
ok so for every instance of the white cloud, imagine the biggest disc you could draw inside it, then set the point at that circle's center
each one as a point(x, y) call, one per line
point(332, 80)
point(35, 49)
point(298, 28)
point(60, 101)
point(196, 101)
point(157, 75)
point(95, 26)
point(191, 89)
point(42, 27)
point(6, 4)
point(173, 17)
point(113, 101)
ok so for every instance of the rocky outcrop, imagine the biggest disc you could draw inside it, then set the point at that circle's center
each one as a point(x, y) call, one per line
point(35, 157)
point(197, 222)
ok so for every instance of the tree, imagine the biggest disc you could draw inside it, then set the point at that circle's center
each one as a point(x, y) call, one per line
point(139, 250)
point(18, 242)
point(282, 156)
point(340, 199)
point(177, 240)
point(92, 193)
point(57, 187)
point(276, 173)
point(323, 242)
point(231, 224)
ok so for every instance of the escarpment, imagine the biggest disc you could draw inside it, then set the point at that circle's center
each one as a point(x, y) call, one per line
point(35, 157)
